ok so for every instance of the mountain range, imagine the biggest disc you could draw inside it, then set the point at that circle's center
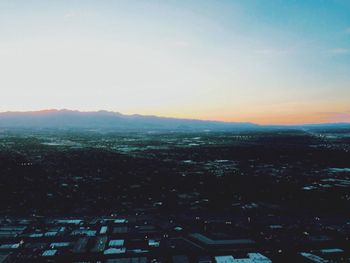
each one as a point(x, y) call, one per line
point(65, 119)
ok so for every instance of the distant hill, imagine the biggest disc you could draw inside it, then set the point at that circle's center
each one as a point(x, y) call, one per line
point(114, 121)
point(65, 119)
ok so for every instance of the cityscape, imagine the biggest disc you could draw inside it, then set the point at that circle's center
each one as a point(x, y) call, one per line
point(175, 131)
point(268, 195)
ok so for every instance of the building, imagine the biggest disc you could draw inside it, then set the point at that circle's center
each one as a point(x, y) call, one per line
point(252, 258)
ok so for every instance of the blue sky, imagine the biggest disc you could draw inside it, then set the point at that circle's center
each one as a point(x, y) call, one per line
point(266, 61)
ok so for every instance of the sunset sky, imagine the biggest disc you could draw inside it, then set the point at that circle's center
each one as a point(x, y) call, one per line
point(263, 61)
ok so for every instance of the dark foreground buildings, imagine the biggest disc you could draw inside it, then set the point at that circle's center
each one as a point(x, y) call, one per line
point(72, 196)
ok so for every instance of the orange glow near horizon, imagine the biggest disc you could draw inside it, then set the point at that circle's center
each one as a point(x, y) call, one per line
point(269, 115)
point(285, 114)
point(277, 120)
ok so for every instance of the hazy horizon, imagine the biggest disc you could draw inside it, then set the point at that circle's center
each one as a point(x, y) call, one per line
point(48, 111)
point(265, 62)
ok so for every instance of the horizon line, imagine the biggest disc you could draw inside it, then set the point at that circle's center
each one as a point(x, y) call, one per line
point(51, 110)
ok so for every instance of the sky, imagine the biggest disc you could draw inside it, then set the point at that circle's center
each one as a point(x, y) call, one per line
point(262, 61)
